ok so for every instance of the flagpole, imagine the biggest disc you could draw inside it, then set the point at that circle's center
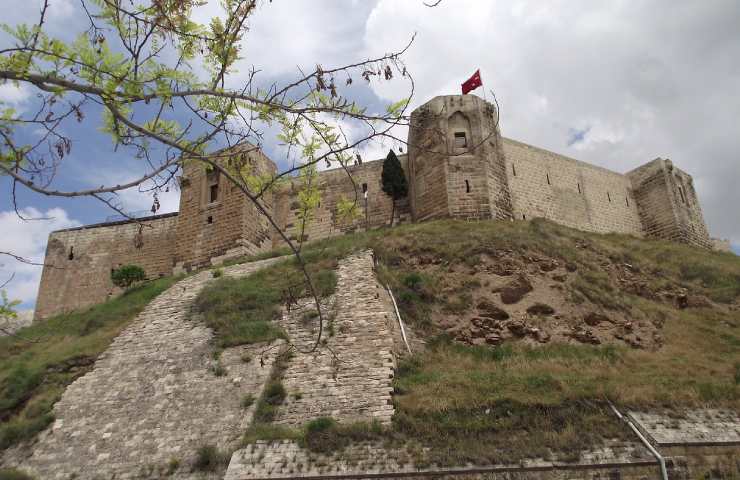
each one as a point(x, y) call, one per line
point(484, 88)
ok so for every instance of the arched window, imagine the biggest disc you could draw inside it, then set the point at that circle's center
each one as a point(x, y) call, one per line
point(459, 128)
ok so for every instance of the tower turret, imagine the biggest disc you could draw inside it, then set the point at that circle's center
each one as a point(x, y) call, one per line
point(456, 161)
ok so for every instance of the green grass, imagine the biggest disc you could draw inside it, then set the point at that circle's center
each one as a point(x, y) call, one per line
point(243, 310)
point(13, 474)
point(326, 435)
point(483, 404)
point(33, 374)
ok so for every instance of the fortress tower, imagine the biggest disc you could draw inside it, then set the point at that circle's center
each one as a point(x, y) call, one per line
point(668, 205)
point(456, 164)
point(215, 218)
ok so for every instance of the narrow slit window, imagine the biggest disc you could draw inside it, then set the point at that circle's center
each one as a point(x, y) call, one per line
point(212, 181)
point(627, 199)
point(513, 169)
point(364, 187)
point(461, 140)
point(524, 217)
point(579, 187)
point(71, 255)
point(209, 220)
point(467, 186)
point(608, 197)
point(547, 175)
point(680, 191)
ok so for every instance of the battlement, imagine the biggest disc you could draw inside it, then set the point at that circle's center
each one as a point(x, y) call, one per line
point(458, 166)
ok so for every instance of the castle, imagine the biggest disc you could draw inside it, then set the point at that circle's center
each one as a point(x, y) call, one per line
point(458, 165)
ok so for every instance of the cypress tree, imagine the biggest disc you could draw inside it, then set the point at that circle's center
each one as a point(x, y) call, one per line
point(393, 180)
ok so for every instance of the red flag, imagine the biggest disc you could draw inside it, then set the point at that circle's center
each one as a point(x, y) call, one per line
point(472, 83)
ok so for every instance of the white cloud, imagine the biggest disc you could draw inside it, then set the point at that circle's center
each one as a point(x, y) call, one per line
point(645, 81)
point(14, 95)
point(286, 35)
point(134, 199)
point(27, 239)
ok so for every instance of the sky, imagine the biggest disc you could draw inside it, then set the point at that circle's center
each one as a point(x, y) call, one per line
point(615, 84)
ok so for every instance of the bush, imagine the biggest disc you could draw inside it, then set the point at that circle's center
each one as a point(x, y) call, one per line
point(209, 459)
point(247, 401)
point(274, 393)
point(217, 273)
point(320, 425)
point(172, 466)
point(127, 275)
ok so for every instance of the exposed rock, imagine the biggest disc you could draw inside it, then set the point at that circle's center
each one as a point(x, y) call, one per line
point(490, 310)
point(540, 309)
point(548, 265)
point(692, 301)
point(541, 335)
point(515, 290)
point(592, 319)
point(486, 324)
point(518, 328)
point(560, 278)
point(503, 269)
point(493, 339)
point(584, 335)
point(571, 267)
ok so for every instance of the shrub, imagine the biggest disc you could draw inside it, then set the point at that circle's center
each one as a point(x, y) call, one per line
point(127, 275)
point(320, 425)
point(209, 458)
point(172, 466)
point(274, 393)
point(217, 273)
point(247, 400)
point(218, 370)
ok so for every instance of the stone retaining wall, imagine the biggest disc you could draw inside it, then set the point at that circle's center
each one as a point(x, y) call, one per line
point(283, 460)
point(349, 377)
point(152, 397)
point(696, 444)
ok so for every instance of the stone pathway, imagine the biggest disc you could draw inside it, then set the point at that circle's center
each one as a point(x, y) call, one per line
point(152, 397)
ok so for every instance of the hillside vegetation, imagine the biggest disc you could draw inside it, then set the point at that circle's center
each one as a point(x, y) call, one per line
point(523, 330)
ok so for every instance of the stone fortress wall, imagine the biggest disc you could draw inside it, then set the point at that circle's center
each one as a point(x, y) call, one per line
point(458, 166)
point(573, 193)
point(79, 260)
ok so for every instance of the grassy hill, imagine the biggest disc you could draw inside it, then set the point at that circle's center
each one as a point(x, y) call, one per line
point(521, 332)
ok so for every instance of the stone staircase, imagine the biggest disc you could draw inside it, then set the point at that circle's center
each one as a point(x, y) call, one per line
point(152, 399)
